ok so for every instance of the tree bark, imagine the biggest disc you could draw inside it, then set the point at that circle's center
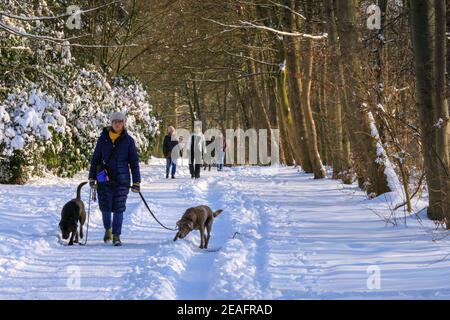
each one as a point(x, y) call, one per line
point(441, 104)
point(422, 28)
point(316, 161)
point(299, 130)
point(371, 175)
point(339, 148)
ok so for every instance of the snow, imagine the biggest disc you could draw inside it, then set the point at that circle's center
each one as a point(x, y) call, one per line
point(282, 235)
point(397, 193)
point(17, 142)
point(26, 117)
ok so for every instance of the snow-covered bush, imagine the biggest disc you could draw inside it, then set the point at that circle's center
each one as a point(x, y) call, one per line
point(40, 132)
point(52, 109)
point(28, 119)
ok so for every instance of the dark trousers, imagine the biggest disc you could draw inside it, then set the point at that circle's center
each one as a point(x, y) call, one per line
point(195, 170)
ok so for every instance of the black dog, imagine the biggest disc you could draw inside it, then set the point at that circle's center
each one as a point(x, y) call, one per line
point(72, 212)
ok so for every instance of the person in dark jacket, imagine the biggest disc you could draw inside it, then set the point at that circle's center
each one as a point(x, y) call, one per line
point(114, 156)
point(221, 145)
point(170, 142)
point(209, 158)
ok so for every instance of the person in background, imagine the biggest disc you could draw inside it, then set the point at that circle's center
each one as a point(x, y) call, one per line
point(197, 148)
point(209, 159)
point(177, 152)
point(221, 145)
point(170, 142)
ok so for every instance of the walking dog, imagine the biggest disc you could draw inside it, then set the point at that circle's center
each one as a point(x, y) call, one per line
point(197, 218)
point(72, 212)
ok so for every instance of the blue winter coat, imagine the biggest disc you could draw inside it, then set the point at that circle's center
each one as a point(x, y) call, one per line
point(112, 195)
point(124, 159)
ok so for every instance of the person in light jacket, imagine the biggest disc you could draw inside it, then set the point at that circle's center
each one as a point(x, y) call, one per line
point(196, 148)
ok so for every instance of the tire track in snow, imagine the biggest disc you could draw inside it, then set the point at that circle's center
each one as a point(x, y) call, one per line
point(154, 275)
point(236, 267)
point(195, 282)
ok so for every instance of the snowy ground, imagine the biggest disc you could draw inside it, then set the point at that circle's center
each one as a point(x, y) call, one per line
point(282, 235)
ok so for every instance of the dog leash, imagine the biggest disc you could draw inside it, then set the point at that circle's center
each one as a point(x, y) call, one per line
point(153, 215)
point(91, 196)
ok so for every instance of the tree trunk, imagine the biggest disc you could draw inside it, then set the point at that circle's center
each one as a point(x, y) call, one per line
point(292, 70)
point(422, 27)
point(316, 161)
point(287, 119)
point(371, 175)
point(339, 148)
point(441, 104)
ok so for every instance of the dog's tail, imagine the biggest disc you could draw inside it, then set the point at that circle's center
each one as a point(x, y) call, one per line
point(217, 212)
point(79, 190)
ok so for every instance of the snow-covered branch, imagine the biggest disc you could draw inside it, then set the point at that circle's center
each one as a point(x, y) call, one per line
point(64, 15)
point(250, 25)
point(21, 33)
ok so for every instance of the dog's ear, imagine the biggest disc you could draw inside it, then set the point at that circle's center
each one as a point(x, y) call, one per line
point(191, 225)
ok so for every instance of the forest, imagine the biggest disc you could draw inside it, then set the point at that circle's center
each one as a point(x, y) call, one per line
point(353, 98)
point(354, 85)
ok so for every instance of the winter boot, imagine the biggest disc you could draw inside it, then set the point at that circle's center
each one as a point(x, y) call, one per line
point(108, 235)
point(173, 176)
point(116, 241)
point(167, 176)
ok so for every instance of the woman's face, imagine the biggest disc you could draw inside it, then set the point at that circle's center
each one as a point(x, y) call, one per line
point(117, 125)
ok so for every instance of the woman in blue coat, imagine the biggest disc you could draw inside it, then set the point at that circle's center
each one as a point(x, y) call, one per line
point(115, 155)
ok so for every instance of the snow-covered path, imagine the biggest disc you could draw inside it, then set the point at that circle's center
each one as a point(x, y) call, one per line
point(282, 235)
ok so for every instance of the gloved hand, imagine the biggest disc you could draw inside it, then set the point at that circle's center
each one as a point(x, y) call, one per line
point(136, 187)
point(93, 183)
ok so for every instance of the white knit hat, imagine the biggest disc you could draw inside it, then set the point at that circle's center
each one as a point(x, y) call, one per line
point(117, 116)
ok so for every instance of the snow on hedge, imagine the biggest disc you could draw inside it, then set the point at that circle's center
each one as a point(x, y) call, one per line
point(27, 117)
point(32, 120)
point(52, 108)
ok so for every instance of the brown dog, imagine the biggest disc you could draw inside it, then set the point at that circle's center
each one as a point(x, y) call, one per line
point(197, 218)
